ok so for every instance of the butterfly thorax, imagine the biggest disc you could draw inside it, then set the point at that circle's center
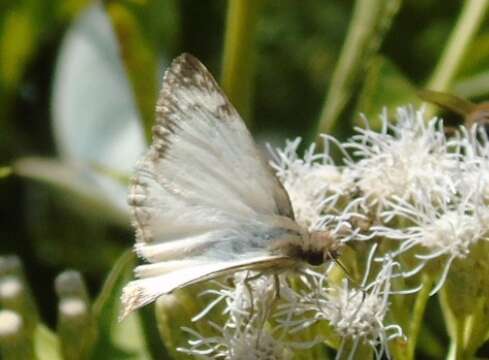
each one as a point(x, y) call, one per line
point(315, 247)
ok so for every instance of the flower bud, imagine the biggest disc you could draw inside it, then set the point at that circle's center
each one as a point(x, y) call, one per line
point(76, 325)
point(174, 312)
point(15, 294)
point(15, 341)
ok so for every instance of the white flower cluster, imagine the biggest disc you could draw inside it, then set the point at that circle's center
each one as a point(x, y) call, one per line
point(408, 182)
point(429, 189)
point(246, 334)
point(409, 187)
point(314, 183)
point(404, 158)
point(356, 314)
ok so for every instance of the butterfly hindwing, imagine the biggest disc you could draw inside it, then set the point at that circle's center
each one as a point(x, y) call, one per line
point(145, 290)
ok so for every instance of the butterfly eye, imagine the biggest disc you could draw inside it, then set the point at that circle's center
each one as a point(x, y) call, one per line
point(314, 258)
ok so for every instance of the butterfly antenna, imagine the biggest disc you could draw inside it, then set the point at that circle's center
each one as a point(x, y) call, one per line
point(345, 270)
point(341, 265)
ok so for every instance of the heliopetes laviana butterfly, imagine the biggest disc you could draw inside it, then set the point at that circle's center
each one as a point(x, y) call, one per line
point(204, 202)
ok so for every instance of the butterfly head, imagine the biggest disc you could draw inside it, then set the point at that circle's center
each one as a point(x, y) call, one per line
point(326, 245)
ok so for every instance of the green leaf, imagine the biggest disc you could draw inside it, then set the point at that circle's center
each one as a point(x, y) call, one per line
point(24, 26)
point(465, 301)
point(145, 31)
point(172, 314)
point(468, 23)
point(18, 40)
point(46, 344)
point(66, 10)
point(139, 59)
point(429, 343)
point(473, 78)
point(384, 87)
point(369, 24)
point(238, 68)
point(118, 339)
point(175, 311)
point(355, 349)
point(476, 59)
point(63, 235)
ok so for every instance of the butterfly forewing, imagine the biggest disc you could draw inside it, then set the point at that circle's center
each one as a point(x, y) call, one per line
point(202, 196)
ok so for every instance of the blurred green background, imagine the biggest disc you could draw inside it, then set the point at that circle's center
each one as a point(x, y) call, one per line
point(79, 80)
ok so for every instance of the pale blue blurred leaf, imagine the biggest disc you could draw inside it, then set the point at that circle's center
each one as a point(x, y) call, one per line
point(95, 119)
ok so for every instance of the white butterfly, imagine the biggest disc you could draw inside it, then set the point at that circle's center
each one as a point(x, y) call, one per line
point(204, 202)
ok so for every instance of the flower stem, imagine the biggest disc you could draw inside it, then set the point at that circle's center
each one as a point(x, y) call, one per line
point(238, 62)
point(476, 327)
point(418, 314)
point(457, 343)
point(468, 23)
point(370, 21)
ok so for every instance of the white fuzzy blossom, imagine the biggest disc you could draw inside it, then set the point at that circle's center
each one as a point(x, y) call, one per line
point(314, 183)
point(442, 223)
point(447, 228)
point(402, 157)
point(250, 294)
point(356, 313)
point(237, 344)
point(438, 229)
point(474, 174)
point(245, 335)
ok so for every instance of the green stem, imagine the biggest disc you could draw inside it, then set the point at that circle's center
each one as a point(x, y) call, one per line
point(370, 21)
point(455, 326)
point(452, 352)
point(457, 342)
point(476, 327)
point(468, 23)
point(418, 314)
point(238, 62)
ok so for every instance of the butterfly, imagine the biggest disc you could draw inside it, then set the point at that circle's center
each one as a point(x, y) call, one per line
point(204, 202)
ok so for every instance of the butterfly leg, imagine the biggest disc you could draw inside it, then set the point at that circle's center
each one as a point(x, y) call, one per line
point(247, 283)
point(276, 283)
